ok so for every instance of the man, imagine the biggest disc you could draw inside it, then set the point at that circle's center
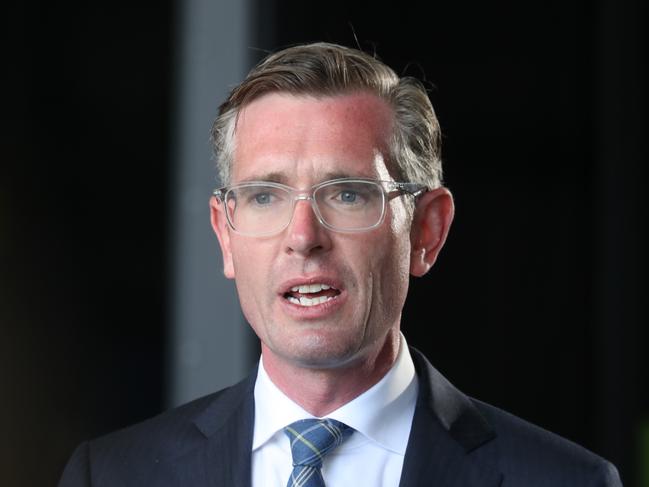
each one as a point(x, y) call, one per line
point(332, 197)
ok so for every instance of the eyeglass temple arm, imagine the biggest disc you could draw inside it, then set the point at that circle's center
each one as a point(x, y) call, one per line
point(415, 189)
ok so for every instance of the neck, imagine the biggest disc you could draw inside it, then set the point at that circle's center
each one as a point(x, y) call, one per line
point(323, 390)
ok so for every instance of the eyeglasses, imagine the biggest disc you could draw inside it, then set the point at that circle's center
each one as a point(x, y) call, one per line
point(261, 208)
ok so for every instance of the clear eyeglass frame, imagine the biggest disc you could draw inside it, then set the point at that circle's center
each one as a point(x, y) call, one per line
point(389, 190)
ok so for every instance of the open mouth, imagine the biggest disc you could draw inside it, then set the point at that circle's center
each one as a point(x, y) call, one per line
point(311, 294)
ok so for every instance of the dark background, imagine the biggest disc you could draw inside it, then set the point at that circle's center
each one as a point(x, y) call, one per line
point(537, 303)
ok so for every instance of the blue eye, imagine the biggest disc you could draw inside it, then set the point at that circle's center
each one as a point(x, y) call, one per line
point(348, 196)
point(262, 198)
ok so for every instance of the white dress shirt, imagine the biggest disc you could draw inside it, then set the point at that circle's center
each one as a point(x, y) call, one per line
point(372, 455)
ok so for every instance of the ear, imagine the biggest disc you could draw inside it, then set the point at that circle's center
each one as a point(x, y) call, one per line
point(431, 223)
point(222, 231)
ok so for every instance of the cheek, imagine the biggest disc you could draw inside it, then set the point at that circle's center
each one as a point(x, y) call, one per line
point(249, 262)
point(248, 255)
point(397, 240)
point(251, 290)
point(391, 269)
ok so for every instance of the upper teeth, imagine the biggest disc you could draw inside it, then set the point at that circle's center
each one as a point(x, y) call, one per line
point(310, 288)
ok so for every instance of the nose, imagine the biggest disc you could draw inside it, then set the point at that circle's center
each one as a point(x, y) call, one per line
point(305, 235)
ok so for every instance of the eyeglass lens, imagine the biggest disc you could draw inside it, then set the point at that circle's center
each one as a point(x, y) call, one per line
point(260, 209)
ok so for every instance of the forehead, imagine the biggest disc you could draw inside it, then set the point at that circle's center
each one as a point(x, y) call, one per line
point(306, 139)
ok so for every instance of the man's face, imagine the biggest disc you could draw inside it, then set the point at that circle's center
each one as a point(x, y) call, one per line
point(301, 141)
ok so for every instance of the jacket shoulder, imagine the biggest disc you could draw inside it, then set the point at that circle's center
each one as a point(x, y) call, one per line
point(492, 440)
point(537, 457)
point(155, 436)
point(136, 451)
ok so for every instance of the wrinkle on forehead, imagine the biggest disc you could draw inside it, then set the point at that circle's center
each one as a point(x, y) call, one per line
point(321, 174)
point(287, 137)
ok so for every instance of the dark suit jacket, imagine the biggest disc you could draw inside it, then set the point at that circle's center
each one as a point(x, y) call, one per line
point(455, 441)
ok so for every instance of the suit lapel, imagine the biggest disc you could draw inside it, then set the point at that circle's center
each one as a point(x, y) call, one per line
point(446, 433)
point(227, 424)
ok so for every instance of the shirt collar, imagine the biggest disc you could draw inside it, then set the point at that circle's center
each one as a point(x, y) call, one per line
point(394, 397)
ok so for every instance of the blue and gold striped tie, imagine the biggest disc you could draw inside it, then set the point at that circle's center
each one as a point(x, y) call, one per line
point(311, 440)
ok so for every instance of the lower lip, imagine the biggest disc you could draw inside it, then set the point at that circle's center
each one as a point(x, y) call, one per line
point(316, 311)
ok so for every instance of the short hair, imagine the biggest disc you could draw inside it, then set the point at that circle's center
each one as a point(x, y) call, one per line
point(324, 69)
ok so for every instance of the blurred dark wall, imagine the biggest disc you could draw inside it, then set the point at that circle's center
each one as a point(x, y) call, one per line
point(84, 149)
point(536, 304)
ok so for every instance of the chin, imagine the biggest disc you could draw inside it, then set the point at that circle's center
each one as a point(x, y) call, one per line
point(316, 353)
point(323, 362)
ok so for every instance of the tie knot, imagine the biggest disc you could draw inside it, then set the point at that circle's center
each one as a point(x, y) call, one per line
point(312, 439)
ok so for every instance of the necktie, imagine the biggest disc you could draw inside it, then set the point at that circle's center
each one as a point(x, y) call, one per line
point(311, 440)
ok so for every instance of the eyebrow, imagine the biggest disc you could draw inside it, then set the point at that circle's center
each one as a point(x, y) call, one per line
point(340, 175)
point(282, 178)
point(273, 177)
